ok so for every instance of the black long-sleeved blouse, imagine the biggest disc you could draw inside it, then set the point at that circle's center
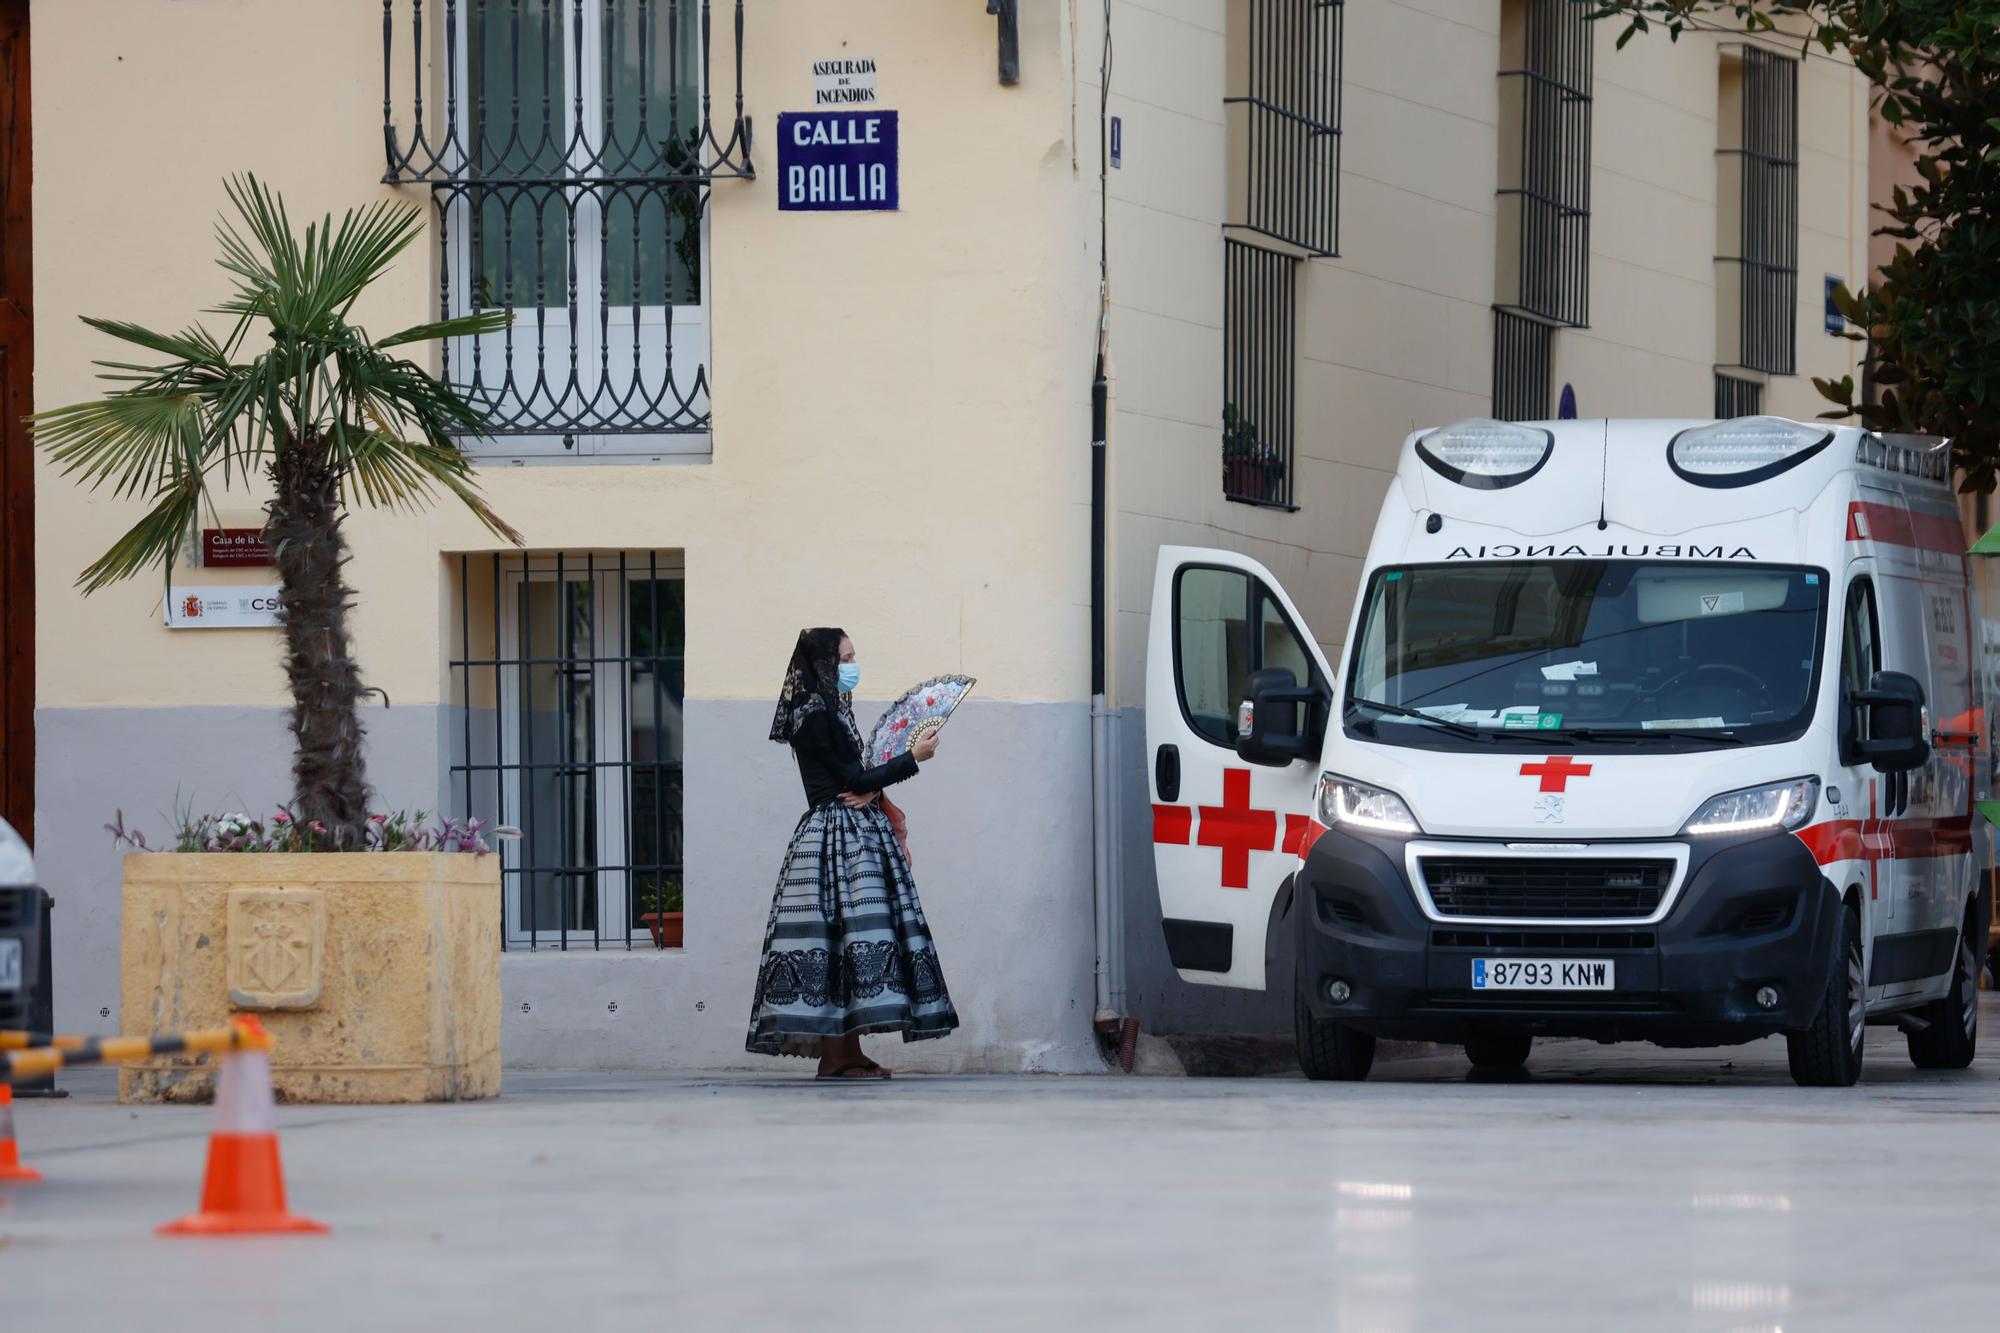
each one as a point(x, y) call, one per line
point(830, 762)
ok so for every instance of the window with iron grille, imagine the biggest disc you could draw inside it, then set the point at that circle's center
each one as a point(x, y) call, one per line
point(1522, 355)
point(1737, 397)
point(1260, 300)
point(1284, 122)
point(1544, 206)
point(567, 688)
point(569, 146)
point(1757, 267)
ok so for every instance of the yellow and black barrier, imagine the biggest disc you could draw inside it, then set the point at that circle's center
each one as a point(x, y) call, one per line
point(23, 1041)
point(32, 1054)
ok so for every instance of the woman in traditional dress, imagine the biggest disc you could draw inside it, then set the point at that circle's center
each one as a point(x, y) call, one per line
point(847, 951)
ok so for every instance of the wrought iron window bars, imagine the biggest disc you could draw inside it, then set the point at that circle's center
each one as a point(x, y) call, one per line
point(1523, 354)
point(1284, 208)
point(1763, 192)
point(1260, 389)
point(1545, 188)
point(568, 683)
point(1544, 197)
point(570, 146)
point(1285, 128)
point(651, 144)
point(1737, 397)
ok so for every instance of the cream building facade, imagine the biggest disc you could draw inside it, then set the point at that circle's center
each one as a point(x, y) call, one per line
point(728, 418)
point(1447, 113)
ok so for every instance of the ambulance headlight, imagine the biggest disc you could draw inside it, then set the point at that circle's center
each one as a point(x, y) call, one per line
point(1345, 803)
point(1486, 455)
point(1782, 805)
point(1746, 450)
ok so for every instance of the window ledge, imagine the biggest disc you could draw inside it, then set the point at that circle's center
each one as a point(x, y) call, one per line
point(639, 451)
point(610, 950)
point(1278, 506)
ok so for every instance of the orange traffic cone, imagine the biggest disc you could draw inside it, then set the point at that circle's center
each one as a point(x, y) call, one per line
point(10, 1152)
point(245, 1187)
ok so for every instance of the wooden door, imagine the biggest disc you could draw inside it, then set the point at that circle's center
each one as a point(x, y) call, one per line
point(17, 474)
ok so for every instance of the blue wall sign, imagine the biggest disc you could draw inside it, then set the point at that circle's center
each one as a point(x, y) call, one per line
point(837, 161)
point(1835, 321)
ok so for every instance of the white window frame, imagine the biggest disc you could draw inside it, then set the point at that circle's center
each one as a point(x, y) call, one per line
point(611, 707)
point(689, 338)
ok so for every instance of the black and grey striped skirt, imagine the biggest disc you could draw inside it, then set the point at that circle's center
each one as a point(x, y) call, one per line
point(847, 949)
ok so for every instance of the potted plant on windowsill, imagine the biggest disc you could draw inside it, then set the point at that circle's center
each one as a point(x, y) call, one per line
point(661, 901)
point(369, 945)
point(1251, 469)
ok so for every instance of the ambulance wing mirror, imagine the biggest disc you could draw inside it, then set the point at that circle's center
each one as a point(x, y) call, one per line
point(1279, 720)
point(1898, 731)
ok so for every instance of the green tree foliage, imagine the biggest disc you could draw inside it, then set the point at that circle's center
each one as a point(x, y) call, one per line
point(327, 414)
point(1932, 313)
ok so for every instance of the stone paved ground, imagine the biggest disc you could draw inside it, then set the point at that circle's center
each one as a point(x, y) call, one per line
point(1619, 1188)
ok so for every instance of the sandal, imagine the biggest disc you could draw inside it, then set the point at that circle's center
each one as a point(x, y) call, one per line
point(853, 1072)
point(879, 1070)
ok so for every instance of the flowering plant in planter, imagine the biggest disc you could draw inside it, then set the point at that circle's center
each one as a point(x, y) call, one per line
point(379, 974)
point(397, 831)
point(1251, 468)
point(660, 910)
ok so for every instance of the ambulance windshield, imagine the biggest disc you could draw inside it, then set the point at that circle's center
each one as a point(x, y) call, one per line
point(1593, 652)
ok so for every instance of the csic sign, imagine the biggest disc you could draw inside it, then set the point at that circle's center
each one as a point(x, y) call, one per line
point(254, 606)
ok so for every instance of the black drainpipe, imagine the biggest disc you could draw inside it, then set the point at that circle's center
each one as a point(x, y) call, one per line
point(1100, 396)
point(1119, 1032)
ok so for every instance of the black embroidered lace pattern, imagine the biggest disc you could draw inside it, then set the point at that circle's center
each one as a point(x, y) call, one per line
point(863, 970)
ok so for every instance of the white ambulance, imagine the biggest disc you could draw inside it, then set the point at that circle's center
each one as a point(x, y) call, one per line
point(1644, 730)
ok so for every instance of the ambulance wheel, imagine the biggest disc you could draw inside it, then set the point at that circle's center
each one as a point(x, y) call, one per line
point(1329, 1050)
point(1499, 1050)
point(1951, 1037)
point(1828, 1054)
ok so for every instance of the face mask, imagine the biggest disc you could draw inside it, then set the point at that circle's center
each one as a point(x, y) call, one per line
point(850, 677)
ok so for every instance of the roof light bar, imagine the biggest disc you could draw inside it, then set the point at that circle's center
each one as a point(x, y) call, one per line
point(1743, 451)
point(1486, 455)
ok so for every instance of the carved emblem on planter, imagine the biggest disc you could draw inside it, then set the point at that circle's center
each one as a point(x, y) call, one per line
point(277, 946)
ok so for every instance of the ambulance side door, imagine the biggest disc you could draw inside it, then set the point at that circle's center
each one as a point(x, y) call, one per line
point(1868, 792)
point(1941, 798)
point(1226, 833)
point(1910, 873)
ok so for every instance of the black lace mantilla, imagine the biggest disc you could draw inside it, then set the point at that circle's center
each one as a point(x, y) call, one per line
point(861, 971)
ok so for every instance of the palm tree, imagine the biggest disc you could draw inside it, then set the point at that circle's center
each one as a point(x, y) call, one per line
point(328, 415)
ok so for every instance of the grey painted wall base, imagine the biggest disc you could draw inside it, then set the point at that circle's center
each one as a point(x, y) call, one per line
point(1000, 836)
point(92, 763)
point(999, 831)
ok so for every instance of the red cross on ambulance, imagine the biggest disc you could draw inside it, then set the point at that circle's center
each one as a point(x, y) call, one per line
point(1235, 828)
point(1555, 772)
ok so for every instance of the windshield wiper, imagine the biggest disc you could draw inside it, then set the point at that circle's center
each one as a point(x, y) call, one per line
point(1534, 736)
point(1653, 734)
point(1418, 715)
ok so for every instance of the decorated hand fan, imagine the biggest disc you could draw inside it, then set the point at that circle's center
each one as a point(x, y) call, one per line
point(918, 713)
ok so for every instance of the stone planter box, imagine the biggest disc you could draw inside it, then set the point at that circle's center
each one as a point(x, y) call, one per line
point(378, 972)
